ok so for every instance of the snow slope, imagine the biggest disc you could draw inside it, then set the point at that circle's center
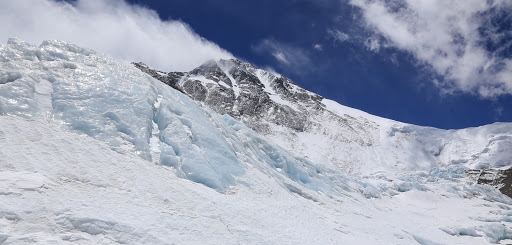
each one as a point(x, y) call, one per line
point(331, 134)
point(93, 151)
point(412, 147)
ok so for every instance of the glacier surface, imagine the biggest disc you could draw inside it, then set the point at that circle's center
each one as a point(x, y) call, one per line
point(95, 151)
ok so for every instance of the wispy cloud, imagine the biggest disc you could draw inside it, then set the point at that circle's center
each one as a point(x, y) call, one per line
point(281, 57)
point(373, 44)
point(128, 32)
point(318, 47)
point(451, 36)
point(337, 35)
point(291, 58)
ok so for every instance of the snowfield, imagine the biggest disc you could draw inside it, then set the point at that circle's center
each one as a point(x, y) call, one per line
point(93, 151)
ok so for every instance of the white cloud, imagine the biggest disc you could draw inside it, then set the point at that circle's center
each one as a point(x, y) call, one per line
point(292, 58)
point(498, 111)
point(373, 44)
point(127, 32)
point(280, 57)
point(338, 35)
point(393, 58)
point(446, 35)
point(318, 47)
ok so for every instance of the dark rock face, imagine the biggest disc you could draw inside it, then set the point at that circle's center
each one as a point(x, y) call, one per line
point(170, 78)
point(500, 179)
point(253, 96)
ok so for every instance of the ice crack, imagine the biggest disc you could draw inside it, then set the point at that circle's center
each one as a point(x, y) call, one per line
point(154, 140)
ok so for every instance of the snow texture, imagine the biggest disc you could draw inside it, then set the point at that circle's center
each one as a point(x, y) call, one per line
point(93, 151)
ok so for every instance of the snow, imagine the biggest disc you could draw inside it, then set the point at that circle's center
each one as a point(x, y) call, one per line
point(202, 79)
point(108, 197)
point(364, 144)
point(225, 67)
point(342, 110)
point(93, 151)
point(15, 182)
point(266, 79)
point(223, 84)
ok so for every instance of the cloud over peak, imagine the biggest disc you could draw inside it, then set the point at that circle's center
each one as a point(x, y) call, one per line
point(128, 32)
point(453, 37)
point(289, 57)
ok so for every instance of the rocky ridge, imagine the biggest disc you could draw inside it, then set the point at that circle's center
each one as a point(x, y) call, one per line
point(253, 96)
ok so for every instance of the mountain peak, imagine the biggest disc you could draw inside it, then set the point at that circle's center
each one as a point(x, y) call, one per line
point(245, 92)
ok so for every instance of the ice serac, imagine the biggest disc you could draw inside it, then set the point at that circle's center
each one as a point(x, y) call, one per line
point(328, 133)
point(130, 111)
point(101, 98)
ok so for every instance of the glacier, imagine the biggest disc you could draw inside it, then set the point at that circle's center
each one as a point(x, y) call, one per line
point(93, 150)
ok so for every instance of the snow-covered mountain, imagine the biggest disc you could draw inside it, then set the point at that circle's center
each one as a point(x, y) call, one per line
point(328, 133)
point(94, 151)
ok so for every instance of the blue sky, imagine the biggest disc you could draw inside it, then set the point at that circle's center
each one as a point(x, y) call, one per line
point(441, 63)
point(326, 47)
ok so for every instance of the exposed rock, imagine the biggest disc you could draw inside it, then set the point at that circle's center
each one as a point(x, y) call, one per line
point(253, 96)
point(500, 179)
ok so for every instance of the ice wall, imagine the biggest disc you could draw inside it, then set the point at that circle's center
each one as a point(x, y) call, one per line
point(94, 95)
